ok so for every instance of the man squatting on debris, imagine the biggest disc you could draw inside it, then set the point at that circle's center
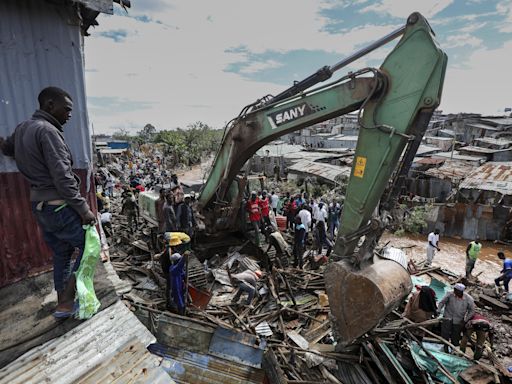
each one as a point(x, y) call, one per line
point(43, 157)
point(246, 283)
point(459, 307)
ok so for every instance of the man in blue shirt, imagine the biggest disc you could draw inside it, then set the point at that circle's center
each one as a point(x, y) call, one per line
point(506, 272)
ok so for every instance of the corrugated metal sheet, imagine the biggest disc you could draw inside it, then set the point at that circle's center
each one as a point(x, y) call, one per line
point(455, 155)
point(190, 367)
point(492, 176)
point(109, 347)
point(40, 45)
point(451, 170)
point(326, 171)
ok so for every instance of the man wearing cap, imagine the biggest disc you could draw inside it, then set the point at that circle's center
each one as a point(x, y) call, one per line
point(246, 281)
point(506, 272)
point(459, 307)
point(253, 207)
point(472, 253)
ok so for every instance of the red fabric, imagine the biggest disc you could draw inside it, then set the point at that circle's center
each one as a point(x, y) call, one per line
point(253, 207)
point(264, 205)
point(140, 188)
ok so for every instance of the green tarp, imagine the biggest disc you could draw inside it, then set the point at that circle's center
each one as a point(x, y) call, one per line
point(454, 364)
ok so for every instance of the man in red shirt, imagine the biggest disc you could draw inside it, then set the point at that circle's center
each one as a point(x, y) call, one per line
point(253, 207)
point(265, 209)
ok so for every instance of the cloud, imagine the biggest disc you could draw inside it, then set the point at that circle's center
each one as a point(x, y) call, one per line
point(505, 9)
point(403, 8)
point(462, 40)
point(479, 86)
point(117, 35)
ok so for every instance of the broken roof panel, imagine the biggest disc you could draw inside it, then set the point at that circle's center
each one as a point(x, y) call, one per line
point(481, 126)
point(455, 155)
point(491, 176)
point(498, 120)
point(451, 170)
point(109, 347)
point(325, 171)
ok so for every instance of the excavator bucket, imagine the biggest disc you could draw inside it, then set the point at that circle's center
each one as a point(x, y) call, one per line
point(360, 298)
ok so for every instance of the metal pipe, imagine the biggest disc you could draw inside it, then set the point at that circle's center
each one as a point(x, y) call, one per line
point(379, 43)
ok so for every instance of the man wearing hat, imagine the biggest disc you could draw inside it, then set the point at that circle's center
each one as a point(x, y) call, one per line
point(459, 307)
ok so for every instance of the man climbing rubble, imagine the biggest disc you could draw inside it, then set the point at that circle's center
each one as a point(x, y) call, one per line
point(246, 282)
point(482, 328)
point(43, 157)
point(506, 273)
point(130, 209)
point(459, 307)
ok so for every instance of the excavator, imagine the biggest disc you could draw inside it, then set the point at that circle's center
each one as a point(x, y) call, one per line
point(395, 104)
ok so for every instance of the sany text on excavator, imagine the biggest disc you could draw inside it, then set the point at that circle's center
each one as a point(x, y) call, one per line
point(395, 104)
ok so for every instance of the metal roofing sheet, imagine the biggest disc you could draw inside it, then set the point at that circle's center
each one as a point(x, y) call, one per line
point(481, 150)
point(278, 149)
point(481, 126)
point(326, 171)
point(109, 347)
point(41, 45)
point(455, 155)
point(498, 120)
point(491, 176)
point(424, 149)
point(451, 170)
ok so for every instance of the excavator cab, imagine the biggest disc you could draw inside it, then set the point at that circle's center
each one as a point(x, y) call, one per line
point(395, 103)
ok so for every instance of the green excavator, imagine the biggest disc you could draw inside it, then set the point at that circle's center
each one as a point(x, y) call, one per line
point(395, 104)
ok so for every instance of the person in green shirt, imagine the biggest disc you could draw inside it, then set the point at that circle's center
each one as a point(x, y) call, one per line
point(472, 253)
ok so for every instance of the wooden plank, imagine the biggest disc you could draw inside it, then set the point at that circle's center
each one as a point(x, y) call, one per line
point(491, 301)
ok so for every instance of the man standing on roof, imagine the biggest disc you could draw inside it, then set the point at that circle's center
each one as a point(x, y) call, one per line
point(472, 253)
point(459, 307)
point(506, 272)
point(432, 246)
point(43, 157)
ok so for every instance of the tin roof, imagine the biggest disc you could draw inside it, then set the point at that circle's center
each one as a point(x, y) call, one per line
point(455, 155)
point(278, 149)
point(325, 171)
point(491, 176)
point(491, 142)
point(109, 347)
point(482, 150)
point(425, 149)
point(481, 126)
point(498, 120)
point(451, 169)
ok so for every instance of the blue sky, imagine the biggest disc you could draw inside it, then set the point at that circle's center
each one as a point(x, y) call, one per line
point(172, 63)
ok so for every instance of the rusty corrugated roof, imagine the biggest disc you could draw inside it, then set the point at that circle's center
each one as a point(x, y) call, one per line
point(451, 170)
point(491, 176)
point(109, 347)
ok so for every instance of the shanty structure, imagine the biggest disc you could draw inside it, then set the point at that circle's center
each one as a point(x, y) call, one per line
point(41, 44)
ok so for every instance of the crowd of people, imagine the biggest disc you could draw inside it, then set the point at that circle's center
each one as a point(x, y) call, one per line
point(304, 215)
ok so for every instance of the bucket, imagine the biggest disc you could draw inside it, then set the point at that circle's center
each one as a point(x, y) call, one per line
point(281, 222)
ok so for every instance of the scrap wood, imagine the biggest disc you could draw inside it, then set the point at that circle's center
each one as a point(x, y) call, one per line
point(247, 328)
point(425, 323)
point(328, 375)
point(382, 368)
point(286, 309)
point(493, 302)
point(454, 348)
point(441, 366)
point(497, 363)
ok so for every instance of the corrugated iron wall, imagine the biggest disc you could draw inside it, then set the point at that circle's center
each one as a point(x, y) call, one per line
point(40, 45)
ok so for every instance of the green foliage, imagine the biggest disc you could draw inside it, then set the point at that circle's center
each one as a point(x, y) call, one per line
point(189, 146)
point(413, 219)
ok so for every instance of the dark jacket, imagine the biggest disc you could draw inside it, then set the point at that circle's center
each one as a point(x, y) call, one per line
point(43, 157)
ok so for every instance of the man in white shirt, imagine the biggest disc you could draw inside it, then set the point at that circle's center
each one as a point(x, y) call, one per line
point(320, 217)
point(305, 218)
point(432, 246)
point(274, 201)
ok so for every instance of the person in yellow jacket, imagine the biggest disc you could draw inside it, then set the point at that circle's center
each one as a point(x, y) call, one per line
point(472, 254)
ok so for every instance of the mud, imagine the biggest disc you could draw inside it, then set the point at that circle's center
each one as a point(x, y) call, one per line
point(453, 254)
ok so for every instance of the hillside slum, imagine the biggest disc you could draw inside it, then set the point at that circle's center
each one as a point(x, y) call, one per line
point(284, 334)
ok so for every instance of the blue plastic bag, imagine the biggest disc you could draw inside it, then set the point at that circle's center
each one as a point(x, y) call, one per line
point(88, 302)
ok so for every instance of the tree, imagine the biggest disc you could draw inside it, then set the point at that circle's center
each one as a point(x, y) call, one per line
point(147, 134)
point(121, 134)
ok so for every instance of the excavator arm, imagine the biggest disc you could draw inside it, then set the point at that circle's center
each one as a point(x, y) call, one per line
point(395, 103)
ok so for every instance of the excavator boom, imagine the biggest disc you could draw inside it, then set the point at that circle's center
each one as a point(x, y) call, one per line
point(396, 103)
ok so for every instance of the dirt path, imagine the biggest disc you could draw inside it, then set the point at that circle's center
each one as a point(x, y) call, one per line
point(452, 255)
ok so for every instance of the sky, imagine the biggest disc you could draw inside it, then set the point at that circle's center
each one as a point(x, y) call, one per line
point(171, 63)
